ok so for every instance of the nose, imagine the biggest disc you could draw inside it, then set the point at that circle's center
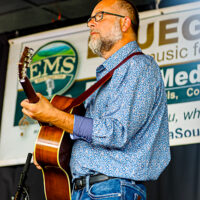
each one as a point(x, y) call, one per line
point(91, 23)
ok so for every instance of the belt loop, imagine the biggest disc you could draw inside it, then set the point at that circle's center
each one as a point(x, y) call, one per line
point(73, 186)
point(87, 183)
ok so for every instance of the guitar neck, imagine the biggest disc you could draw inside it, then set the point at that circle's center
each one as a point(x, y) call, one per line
point(29, 91)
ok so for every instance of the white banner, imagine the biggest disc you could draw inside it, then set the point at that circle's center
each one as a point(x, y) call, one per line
point(171, 36)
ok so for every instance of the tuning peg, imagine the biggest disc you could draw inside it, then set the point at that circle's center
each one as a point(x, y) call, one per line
point(29, 61)
point(30, 51)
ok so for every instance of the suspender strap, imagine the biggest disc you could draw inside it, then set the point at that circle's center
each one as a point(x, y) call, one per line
point(80, 99)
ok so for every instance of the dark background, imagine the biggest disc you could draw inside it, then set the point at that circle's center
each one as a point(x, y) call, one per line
point(179, 181)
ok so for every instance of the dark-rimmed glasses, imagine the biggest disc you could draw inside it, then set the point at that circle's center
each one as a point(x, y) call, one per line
point(99, 16)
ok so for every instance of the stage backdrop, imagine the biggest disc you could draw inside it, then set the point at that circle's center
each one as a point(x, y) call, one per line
point(63, 64)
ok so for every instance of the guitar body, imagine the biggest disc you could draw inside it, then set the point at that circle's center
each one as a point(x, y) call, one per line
point(52, 152)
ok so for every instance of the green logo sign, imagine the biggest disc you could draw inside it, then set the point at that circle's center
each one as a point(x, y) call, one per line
point(53, 68)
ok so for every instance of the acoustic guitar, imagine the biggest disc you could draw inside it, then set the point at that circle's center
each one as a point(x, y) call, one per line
point(53, 145)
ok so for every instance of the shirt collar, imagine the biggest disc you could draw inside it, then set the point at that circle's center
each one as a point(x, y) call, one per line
point(118, 56)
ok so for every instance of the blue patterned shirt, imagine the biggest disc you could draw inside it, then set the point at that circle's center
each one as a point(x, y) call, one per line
point(130, 137)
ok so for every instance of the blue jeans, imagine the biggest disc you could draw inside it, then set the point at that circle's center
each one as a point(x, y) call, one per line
point(113, 189)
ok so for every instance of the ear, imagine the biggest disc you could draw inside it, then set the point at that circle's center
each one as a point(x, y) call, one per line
point(126, 23)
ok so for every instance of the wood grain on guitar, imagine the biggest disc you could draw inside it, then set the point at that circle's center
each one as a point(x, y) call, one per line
point(53, 145)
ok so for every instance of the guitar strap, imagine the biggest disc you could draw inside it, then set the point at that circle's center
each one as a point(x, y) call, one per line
point(80, 99)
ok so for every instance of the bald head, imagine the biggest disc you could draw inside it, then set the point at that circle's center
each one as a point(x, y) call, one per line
point(125, 8)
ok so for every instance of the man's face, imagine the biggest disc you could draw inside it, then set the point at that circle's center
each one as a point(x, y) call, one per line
point(105, 33)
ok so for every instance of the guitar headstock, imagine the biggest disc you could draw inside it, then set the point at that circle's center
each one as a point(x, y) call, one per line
point(24, 62)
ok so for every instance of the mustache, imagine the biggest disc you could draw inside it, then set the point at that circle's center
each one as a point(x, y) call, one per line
point(94, 31)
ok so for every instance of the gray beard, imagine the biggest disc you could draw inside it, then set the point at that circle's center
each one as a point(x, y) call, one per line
point(105, 44)
point(95, 46)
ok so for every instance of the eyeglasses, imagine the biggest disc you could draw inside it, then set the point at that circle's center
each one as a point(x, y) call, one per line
point(99, 16)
